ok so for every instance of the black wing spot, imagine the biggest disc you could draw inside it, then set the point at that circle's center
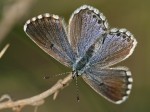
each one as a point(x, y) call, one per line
point(51, 46)
point(101, 84)
point(99, 21)
point(124, 36)
point(88, 12)
point(128, 39)
point(103, 40)
point(94, 16)
point(118, 34)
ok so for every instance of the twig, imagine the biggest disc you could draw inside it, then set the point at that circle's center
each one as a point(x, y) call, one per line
point(11, 16)
point(38, 99)
point(55, 95)
point(2, 52)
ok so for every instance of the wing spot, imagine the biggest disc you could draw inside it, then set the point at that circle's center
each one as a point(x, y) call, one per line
point(101, 84)
point(128, 33)
point(47, 15)
point(129, 86)
point(88, 12)
point(95, 10)
point(56, 16)
point(102, 16)
point(94, 16)
point(128, 92)
point(28, 22)
point(118, 34)
point(128, 39)
point(98, 15)
point(104, 28)
point(33, 19)
point(106, 24)
point(128, 73)
point(123, 99)
point(130, 79)
point(99, 22)
point(124, 36)
point(40, 17)
point(51, 46)
point(25, 27)
point(114, 30)
point(122, 30)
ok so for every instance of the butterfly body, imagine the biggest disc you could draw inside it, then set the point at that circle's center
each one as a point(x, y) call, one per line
point(89, 47)
point(82, 63)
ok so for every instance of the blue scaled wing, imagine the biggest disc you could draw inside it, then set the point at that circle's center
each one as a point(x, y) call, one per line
point(49, 33)
point(114, 84)
point(86, 26)
point(117, 46)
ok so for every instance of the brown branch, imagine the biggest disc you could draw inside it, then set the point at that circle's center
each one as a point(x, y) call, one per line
point(2, 52)
point(38, 99)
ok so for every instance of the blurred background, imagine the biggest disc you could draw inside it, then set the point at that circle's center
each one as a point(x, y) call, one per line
point(24, 64)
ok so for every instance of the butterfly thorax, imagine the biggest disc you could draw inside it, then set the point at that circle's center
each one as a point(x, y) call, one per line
point(80, 66)
point(82, 63)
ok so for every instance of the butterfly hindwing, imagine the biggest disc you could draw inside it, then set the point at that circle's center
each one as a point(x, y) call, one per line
point(112, 83)
point(86, 26)
point(48, 32)
point(117, 46)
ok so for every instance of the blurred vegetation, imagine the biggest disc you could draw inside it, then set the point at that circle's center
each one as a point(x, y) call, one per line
point(23, 66)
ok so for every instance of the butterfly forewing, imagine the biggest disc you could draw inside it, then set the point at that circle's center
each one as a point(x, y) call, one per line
point(48, 32)
point(112, 83)
point(117, 46)
point(86, 26)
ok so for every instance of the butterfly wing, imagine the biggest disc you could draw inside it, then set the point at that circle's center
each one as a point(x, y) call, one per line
point(117, 46)
point(86, 26)
point(114, 84)
point(48, 32)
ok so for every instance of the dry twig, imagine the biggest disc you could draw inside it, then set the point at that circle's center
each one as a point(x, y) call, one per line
point(2, 52)
point(38, 99)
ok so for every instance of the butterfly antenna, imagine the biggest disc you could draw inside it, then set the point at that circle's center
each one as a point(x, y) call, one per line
point(52, 76)
point(77, 89)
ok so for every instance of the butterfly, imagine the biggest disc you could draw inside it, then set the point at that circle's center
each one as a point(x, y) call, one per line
point(89, 47)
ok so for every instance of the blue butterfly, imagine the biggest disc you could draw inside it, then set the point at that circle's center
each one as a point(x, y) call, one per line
point(89, 47)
